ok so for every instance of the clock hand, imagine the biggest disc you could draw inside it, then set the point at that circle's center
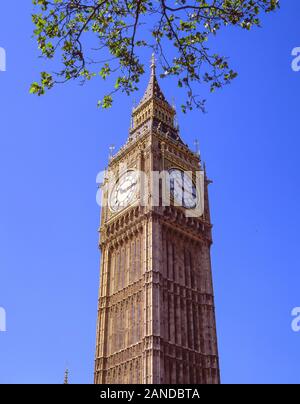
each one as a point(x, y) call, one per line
point(190, 193)
point(183, 189)
point(123, 191)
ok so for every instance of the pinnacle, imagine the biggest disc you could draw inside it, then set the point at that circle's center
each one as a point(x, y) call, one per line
point(153, 89)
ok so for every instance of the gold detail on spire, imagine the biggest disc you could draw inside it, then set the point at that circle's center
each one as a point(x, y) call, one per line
point(153, 64)
point(66, 379)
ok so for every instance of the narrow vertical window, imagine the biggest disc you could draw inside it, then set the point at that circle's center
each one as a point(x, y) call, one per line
point(138, 258)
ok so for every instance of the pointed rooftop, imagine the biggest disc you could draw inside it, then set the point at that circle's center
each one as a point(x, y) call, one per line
point(154, 112)
point(153, 89)
point(153, 104)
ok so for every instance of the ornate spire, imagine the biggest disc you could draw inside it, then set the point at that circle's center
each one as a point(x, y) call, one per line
point(154, 112)
point(153, 90)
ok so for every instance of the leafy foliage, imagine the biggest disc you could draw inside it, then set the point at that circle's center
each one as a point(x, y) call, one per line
point(122, 28)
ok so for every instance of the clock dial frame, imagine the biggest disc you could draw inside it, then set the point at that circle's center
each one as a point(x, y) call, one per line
point(183, 189)
point(124, 191)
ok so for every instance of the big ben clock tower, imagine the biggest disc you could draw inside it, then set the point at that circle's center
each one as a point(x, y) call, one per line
point(156, 316)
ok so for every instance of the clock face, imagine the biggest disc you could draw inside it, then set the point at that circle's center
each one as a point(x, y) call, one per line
point(183, 189)
point(124, 192)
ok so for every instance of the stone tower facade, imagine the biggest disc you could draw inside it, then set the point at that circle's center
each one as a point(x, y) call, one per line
point(156, 316)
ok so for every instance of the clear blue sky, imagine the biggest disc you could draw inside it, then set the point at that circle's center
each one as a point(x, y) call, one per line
point(51, 149)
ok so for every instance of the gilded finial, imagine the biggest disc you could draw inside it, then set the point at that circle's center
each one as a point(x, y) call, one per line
point(174, 103)
point(153, 64)
point(132, 118)
point(66, 379)
point(197, 147)
point(111, 151)
point(175, 116)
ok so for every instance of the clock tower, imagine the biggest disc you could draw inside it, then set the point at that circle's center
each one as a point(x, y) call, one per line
point(156, 315)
